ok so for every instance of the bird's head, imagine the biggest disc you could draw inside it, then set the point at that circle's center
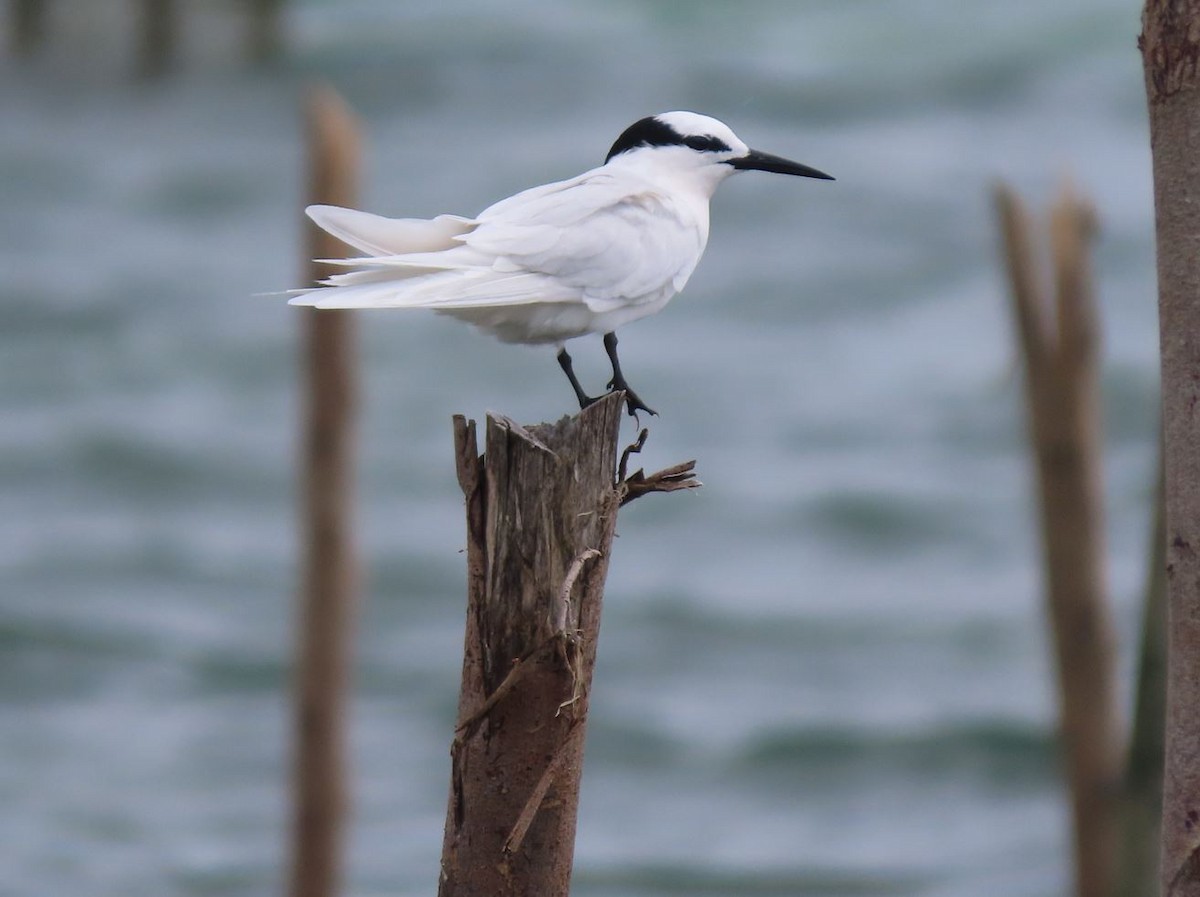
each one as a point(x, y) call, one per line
point(686, 142)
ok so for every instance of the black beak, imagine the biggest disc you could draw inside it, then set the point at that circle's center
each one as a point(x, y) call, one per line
point(756, 161)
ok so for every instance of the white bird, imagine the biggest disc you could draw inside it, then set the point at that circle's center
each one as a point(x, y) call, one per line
point(584, 255)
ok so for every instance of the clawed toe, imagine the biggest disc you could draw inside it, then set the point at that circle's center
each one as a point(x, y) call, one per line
point(633, 402)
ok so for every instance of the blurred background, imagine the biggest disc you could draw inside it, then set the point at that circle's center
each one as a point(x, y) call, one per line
point(825, 673)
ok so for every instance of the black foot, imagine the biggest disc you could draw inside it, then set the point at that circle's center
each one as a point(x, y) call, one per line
point(633, 402)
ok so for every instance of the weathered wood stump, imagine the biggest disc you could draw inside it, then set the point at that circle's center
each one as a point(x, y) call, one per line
point(541, 515)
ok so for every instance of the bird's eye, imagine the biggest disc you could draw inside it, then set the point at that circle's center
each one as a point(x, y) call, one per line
point(706, 144)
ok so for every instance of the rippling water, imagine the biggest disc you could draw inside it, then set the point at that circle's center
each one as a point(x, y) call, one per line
point(824, 674)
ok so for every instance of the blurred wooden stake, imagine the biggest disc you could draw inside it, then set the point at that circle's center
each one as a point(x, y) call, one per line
point(328, 596)
point(27, 28)
point(1137, 873)
point(1059, 340)
point(158, 25)
point(265, 30)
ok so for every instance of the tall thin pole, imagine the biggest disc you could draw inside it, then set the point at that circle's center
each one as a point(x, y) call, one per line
point(1170, 44)
point(328, 593)
point(158, 38)
point(28, 26)
point(265, 30)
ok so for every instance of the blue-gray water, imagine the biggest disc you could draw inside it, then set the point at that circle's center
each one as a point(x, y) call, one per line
point(826, 673)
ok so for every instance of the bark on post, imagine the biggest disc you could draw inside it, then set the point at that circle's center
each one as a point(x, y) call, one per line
point(1170, 44)
point(1059, 341)
point(328, 592)
point(541, 515)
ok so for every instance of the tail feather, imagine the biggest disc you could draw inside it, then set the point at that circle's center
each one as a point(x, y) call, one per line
point(356, 278)
point(443, 290)
point(414, 263)
point(379, 236)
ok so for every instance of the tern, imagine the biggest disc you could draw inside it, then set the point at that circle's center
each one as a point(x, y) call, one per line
point(552, 263)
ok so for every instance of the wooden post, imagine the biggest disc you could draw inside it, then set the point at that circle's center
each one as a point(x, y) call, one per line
point(541, 515)
point(1059, 342)
point(328, 594)
point(264, 31)
point(28, 26)
point(158, 37)
point(1170, 44)
point(1142, 793)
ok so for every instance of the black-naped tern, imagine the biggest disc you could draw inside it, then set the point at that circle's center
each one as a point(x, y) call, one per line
point(563, 260)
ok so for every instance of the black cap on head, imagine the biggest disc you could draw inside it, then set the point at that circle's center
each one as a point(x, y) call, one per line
point(653, 131)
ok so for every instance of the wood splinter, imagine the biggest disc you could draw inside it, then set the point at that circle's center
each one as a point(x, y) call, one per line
point(669, 479)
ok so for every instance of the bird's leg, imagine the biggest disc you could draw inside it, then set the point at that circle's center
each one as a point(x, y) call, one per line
point(633, 402)
point(564, 361)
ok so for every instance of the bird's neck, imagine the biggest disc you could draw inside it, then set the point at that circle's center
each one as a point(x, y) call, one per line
point(697, 182)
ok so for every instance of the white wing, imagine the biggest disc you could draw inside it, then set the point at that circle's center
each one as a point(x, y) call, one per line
point(616, 240)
